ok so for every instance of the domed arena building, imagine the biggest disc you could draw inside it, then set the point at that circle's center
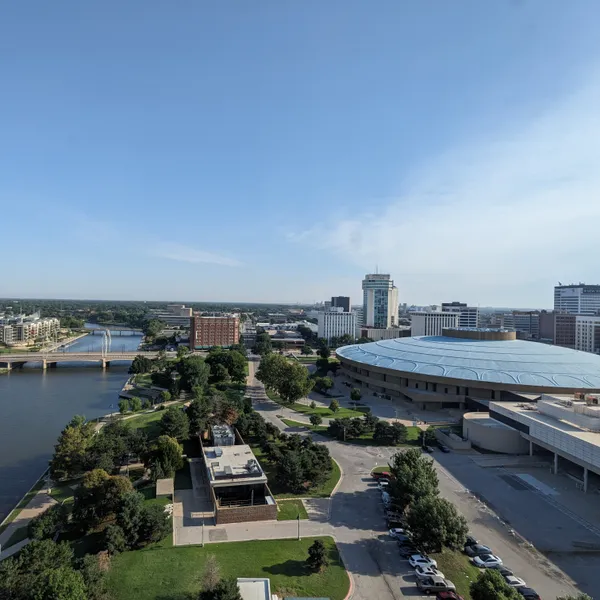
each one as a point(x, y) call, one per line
point(468, 368)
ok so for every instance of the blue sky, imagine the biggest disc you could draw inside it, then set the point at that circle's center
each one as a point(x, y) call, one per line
point(277, 151)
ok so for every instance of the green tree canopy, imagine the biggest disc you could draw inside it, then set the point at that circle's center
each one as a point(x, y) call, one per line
point(140, 364)
point(194, 372)
point(355, 394)
point(414, 478)
point(490, 585)
point(263, 344)
point(225, 589)
point(317, 556)
point(435, 522)
point(175, 423)
point(71, 448)
point(153, 327)
point(164, 457)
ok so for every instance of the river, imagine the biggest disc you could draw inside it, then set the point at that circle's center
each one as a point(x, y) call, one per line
point(35, 405)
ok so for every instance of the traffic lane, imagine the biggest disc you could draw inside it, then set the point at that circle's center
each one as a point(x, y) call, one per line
point(539, 572)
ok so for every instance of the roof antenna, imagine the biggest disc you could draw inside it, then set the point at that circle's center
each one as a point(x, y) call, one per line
point(376, 269)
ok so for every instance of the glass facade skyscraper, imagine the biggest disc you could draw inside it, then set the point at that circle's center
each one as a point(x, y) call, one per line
point(380, 301)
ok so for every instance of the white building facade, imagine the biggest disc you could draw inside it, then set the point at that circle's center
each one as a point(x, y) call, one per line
point(380, 301)
point(469, 315)
point(587, 334)
point(578, 299)
point(336, 323)
point(432, 322)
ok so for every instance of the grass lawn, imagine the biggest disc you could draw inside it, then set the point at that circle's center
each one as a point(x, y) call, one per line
point(175, 573)
point(456, 567)
point(24, 502)
point(62, 493)
point(149, 422)
point(323, 491)
point(380, 469)
point(287, 510)
point(17, 536)
point(183, 477)
point(320, 410)
point(318, 428)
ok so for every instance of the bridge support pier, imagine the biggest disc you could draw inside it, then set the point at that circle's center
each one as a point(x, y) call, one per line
point(44, 365)
point(105, 363)
point(7, 366)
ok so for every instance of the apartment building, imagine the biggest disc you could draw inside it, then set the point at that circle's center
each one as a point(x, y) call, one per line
point(214, 330)
point(336, 323)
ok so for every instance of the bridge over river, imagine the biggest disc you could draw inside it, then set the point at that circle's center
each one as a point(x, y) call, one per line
point(51, 359)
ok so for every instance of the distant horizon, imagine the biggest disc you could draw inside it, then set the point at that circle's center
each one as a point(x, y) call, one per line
point(233, 303)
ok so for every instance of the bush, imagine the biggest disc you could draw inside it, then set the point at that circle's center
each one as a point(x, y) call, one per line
point(315, 420)
point(334, 406)
point(45, 525)
point(317, 556)
point(114, 539)
point(136, 404)
point(124, 406)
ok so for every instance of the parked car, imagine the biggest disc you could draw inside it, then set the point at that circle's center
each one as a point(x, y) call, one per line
point(423, 572)
point(421, 560)
point(428, 449)
point(528, 593)
point(386, 498)
point(486, 561)
point(444, 449)
point(504, 571)
point(434, 584)
point(470, 541)
point(477, 550)
point(381, 475)
point(407, 550)
point(383, 483)
point(448, 596)
point(514, 581)
point(399, 533)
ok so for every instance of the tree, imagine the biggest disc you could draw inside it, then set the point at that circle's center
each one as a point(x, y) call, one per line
point(389, 434)
point(140, 364)
point(136, 404)
point(164, 457)
point(218, 373)
point(155, 524)
point(435, 522)
point(306, 350)
point(355, 395)
point(295, 382)
point(339, 428)
point(146, 404)
point(71, 448)
point(175, 423)
point(313, 404)
point(323, 384)
point(263, 344)
point(194, 372)
point(153, 327)
point(289, 471)
point(315, 420)
point(490, 585)
point(226, 589)
point(317, 556)
point(46, 524)
point(124, 406)
point(164, 396)
point(370, 421)
point(211, 574)
point(114, 540)
point(271, 370)
point(356, 429)
point(182, 351)
point(198, 413)
point(324, 352)
point(414, 477)
point(94, 577)
point(334, 406)
point(63, 583)
point(428, 436)
point(399, 433)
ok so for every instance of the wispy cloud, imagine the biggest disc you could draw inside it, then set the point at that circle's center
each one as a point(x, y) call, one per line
point(188, 254)
point(505, 210)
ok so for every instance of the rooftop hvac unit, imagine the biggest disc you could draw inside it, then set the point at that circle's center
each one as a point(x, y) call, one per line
point(218, 452)
point(252, 466)
point(591, 400)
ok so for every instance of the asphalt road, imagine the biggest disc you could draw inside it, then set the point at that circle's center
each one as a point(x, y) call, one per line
point(356, 514)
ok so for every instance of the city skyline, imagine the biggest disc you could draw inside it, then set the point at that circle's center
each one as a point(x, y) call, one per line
point(278, 153)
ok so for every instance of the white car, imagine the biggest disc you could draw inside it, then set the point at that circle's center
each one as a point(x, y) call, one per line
point(398, 532)
point(514, 581)
point(423, 572)
point(487, 561)
point(383, 483)
point(420, 560)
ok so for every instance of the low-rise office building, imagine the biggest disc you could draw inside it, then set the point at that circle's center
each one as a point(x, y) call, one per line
point(375, 334)
point(336, 323)
point(238, 484)
point(432, 322)
point(469, 315)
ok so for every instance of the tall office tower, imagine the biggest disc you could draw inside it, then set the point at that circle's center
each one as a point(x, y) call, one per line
point(380, 301)
point(527, 322)
point(577, 299)
point(336, 323)
point(469, 315)
point(341, 301)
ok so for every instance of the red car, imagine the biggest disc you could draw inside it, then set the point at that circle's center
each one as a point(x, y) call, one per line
point(448, 596)
point(381, 475)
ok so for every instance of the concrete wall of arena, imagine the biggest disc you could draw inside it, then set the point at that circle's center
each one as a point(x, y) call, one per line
point(488, 434)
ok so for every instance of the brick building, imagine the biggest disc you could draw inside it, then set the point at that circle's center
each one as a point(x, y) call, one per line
point(214, 330)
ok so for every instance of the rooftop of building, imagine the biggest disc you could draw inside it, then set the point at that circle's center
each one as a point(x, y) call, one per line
point(519, 364)
point(254, 589)
point(530, 413)
point(230, 464)
point(484, 418)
